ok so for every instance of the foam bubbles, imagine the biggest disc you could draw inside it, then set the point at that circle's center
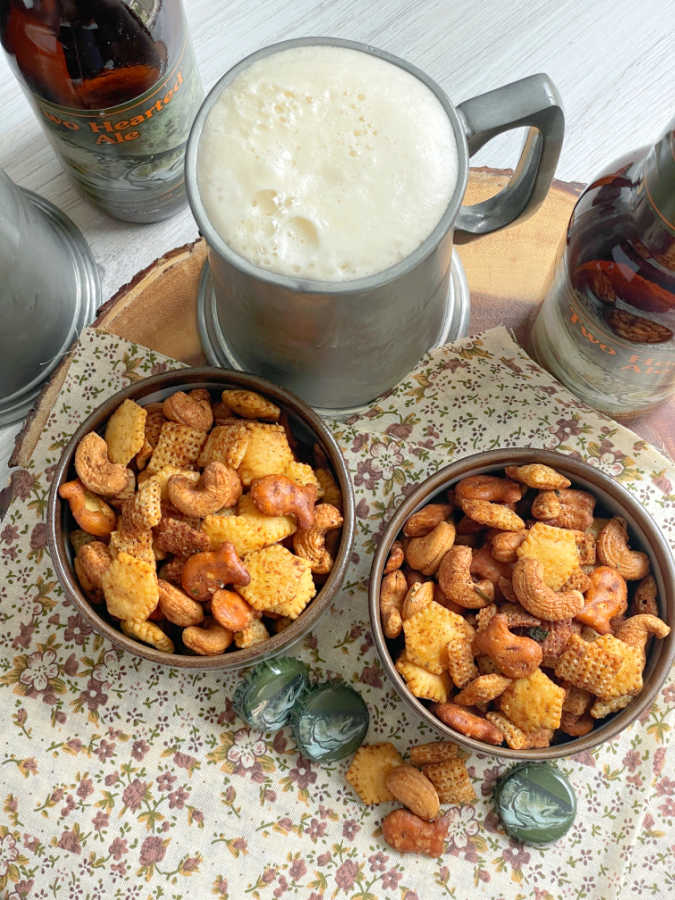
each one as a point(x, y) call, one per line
point(326, 162)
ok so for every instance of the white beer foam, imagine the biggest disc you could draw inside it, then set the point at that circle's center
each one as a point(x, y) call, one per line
point(325, 162)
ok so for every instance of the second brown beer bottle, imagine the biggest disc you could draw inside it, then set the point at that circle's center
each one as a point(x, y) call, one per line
point(115, 86)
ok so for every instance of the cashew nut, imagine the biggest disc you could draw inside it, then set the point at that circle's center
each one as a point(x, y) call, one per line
point(644, 599)
point(177, 607)
point(613, 550)
point(395, 560)
point(606, 598)
point(425, 553)
point(504, 545)
point(310, 544)
point(455, 580)
point(426, 519)
point(193, 409)
point(204, 573)
point(418, 596)
point(488, 487)
point(514, 656)
point(636, 630)
point(208, 639)
point(484, 565)
point(91, 562)
point(538, 598)
point(218, 487)
point(277, 495)
point(459, 718)
point(89, 511)
point(393, 590)
point(95, 470)
point(231, 611)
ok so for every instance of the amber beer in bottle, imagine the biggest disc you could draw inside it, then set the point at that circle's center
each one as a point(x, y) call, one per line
point(606, 327)
point(115, 86)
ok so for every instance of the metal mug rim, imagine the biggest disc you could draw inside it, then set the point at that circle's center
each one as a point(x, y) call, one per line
point(312, 285)
point(654, 540)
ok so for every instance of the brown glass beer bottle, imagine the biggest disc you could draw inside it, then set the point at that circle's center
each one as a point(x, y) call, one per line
point(606, 327)
point(115, 86)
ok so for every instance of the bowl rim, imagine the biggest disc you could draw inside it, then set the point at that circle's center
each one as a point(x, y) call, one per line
point(178, 379)
point(639, 519)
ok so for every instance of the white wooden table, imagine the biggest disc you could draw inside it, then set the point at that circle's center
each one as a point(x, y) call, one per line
point(612, 61)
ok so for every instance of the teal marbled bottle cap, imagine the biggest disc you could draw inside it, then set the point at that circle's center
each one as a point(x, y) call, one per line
point(329, 721)
point(535, 802)
point(267, 694)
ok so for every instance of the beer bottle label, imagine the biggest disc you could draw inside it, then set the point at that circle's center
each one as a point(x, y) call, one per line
point(137, 145)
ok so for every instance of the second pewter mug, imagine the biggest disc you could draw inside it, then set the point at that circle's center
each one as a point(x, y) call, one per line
point(340, 344)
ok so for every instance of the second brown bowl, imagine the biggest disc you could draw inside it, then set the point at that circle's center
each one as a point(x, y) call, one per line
point(616, 500)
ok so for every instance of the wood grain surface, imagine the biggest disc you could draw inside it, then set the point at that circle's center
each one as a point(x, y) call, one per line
point(507, 273)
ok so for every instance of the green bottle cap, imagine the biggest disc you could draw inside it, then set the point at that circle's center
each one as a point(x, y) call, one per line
point(329, 722)
point(535, 803)
point(265, 697)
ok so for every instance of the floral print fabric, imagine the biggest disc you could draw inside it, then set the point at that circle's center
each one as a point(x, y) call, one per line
point(123, 779)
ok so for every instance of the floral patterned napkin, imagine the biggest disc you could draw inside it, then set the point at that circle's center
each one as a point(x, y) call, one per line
point(123, 779)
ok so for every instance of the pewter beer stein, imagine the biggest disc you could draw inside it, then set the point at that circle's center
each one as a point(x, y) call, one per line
point(49, 290)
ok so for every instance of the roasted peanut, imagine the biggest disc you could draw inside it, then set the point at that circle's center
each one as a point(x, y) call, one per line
point(467, 723)
point(90, 512)
point(418, 596)
point(276, 495)
point(230, 610)
point(503, 546)
point(606, 598)
point(393, 590)
point(90, 563)
point(539, 599)
point(96, 472)
point(208, 639)
point(310, 543)
point(177, 607)
point(456, 583)
point(426, 519)
point(514, 656)
point(395, 559)
point(205, 573)
point(613, 550)
point(425, 553)
point(488, 487)
point(407, 833)
point(218, 487)
point(193, 409)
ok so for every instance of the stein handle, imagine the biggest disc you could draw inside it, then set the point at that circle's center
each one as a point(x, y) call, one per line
point(532, 101)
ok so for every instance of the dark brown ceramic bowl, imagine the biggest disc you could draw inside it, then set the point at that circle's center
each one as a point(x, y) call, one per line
point(306, 426)
point(611, 497)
